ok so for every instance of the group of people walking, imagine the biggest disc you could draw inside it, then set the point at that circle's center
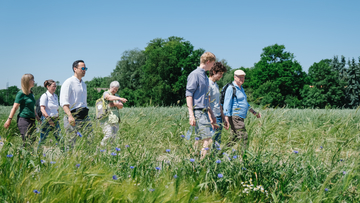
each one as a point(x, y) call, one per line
point(73, 100)
point(208, 111)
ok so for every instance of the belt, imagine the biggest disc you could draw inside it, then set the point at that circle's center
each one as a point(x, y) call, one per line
point(200, 109)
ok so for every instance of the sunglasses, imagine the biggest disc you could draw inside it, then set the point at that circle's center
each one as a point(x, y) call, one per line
point(84, 68)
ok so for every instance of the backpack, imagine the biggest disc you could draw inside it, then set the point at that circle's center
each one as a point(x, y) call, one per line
point(223, 91)
point(38, 108)
point(101, 108)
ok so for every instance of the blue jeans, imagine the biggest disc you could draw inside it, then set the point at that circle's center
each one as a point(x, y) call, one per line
point(46, 128)
point(217, 134)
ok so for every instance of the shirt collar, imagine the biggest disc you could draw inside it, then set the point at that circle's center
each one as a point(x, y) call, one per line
point(236, 85)
point(77, 79)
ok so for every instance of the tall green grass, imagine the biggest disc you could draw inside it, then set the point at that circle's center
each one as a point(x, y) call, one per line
point(296, 155)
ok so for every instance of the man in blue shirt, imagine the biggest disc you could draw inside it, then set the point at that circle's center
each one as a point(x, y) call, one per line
point(235, 110)
point(197, 100)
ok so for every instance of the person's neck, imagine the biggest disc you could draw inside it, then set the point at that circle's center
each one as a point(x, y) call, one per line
point(212, 79)
point(238, 84)
point(78, 76)
point(203, 66)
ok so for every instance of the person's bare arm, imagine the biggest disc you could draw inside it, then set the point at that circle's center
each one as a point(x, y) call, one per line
point(226, 123)
point(189, 102)
point(113, 98)
point(68, 113)
point(11, 115)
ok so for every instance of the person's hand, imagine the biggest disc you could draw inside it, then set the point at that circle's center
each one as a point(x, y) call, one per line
point(226, 125)
point(71, 120)
point(119, 105)
point(258, 115)
point(7, 123)
point(51, 122)
point(123, 100)
point(213, 123)
point(192, 121)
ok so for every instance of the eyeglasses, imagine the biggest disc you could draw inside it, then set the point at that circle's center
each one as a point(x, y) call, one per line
point(84, 68)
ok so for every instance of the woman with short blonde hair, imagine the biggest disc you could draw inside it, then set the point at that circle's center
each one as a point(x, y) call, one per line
point(26, 101)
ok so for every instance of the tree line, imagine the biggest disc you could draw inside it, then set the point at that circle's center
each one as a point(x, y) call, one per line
point(158, 74)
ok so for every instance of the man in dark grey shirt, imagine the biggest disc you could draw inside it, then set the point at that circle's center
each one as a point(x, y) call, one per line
point(197, 100)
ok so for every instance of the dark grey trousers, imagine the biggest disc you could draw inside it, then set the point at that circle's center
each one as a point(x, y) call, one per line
point(238, 132)
point(26, 127)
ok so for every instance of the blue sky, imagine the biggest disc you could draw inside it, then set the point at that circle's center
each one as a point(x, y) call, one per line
point(45, 37)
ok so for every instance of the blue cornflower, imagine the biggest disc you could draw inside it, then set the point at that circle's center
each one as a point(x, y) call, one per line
point(344, 172)
point(42, 161)
point(233, 150)
point(321, 147)
point(243, 168)
point(117, 149)
point(127, 146)
point(182, 136)
point(326, 189)
point(235, 157)
point(218, 161)
point(296, 151)
point(55, 143)
point(341, 160)
point(196, 138)
point(206, 148)
point(157, 168)
point(102, 150)
point(52, 162)
point(152, 190)
point(113, 153)
point(192, 160)
point(9, 155)
point(78, 165)
point(217, 144)
point(1, 143)
point(44, 155)
point(175, 176)
point(168, 150)
point(220, 175)
point(218, 148)
point(36, 192)
point(132, 167)
point(78, 133)
point(114, 177)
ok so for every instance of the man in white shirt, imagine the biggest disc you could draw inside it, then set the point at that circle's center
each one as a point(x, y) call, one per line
point(73, 95)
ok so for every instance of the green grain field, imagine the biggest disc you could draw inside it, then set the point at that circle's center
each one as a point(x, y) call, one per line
point(295, 155)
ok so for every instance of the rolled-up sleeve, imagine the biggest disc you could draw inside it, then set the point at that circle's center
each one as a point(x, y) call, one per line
point(191, 86)
point(64, 94)
point(228, 102)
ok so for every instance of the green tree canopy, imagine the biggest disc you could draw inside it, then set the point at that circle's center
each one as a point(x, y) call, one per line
point(326, 89)
point(168, 64)
point(283, 72)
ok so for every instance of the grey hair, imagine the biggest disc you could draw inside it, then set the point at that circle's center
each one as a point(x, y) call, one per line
point(114, 84)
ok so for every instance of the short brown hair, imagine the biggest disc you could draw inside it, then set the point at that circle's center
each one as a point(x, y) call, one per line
point(218, 67)
point(207, 56)
point(25, 83)
point(48, 83)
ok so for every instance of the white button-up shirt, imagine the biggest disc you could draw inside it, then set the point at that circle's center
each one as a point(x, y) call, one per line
point(51, 103)
point(73, 93)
